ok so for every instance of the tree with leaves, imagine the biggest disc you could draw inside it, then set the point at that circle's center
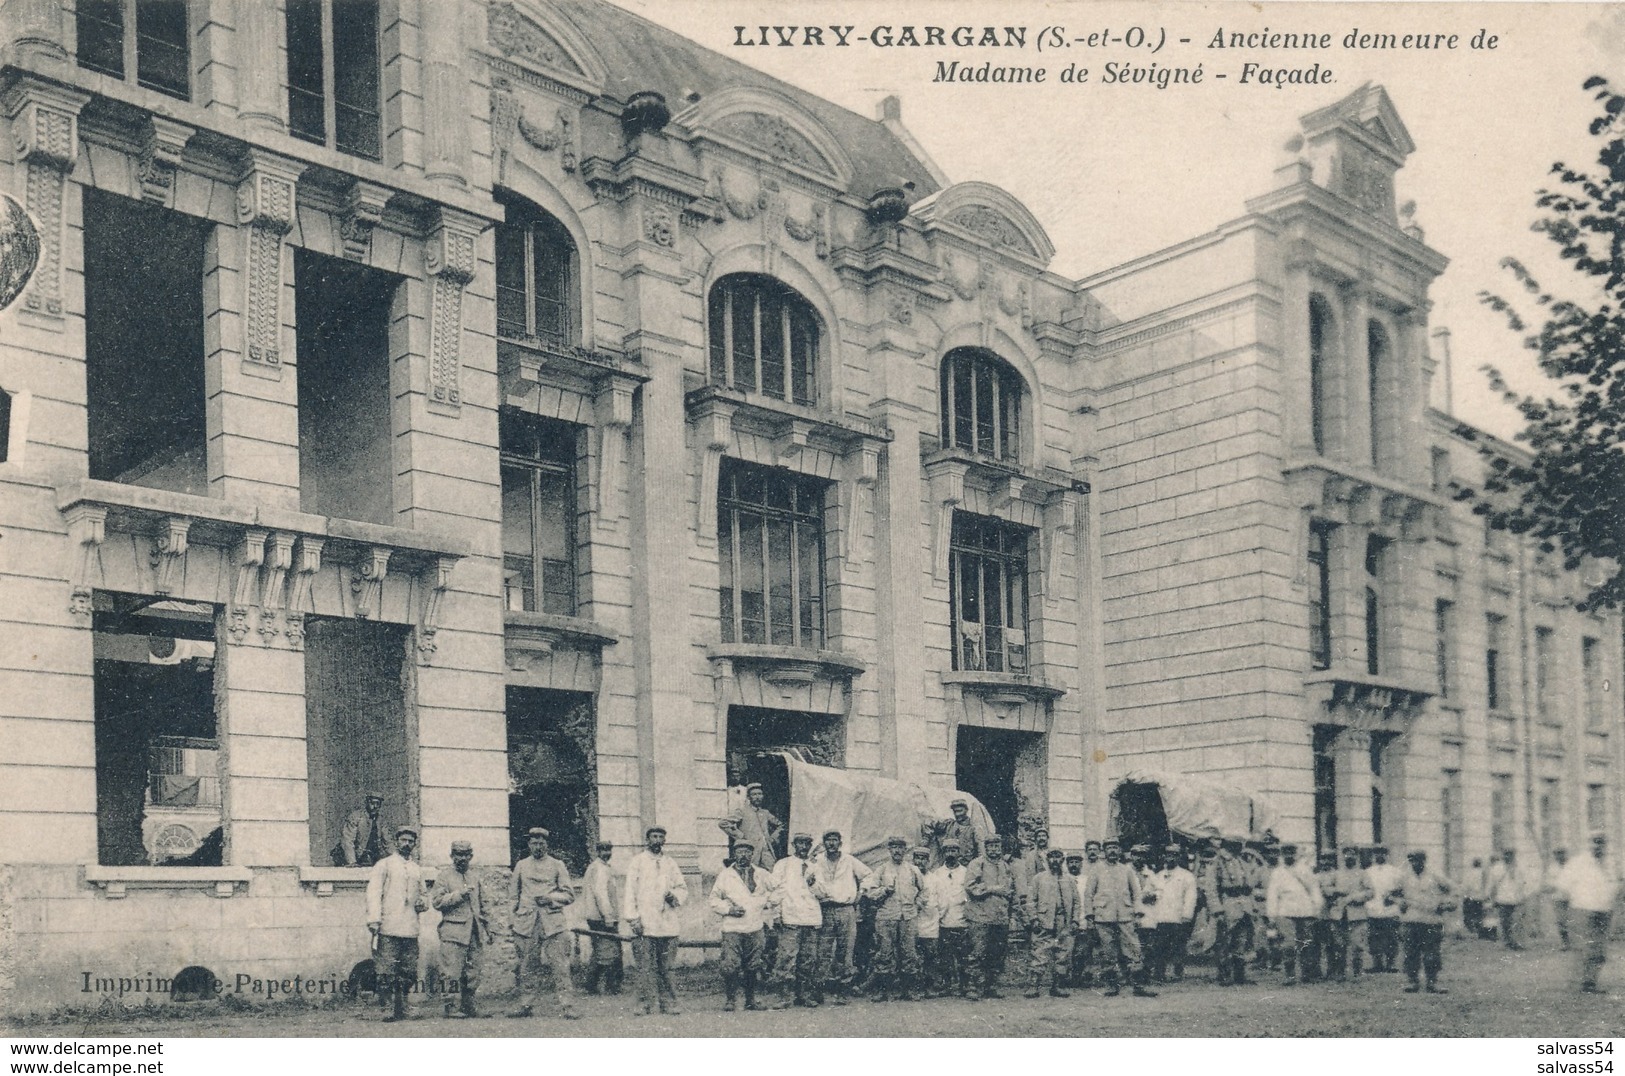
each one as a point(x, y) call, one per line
point(1569, 496)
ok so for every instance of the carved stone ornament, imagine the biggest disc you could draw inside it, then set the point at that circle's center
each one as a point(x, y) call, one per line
point(45, 136)
point(518, 37)
point(19, 249)
point(265, 207)
point(993, 226)
point(449, 260)
point(1367, 183)
point(160, 155)
point(739, 208)
point(363, 209)
point(774, 135)
point(660, 225)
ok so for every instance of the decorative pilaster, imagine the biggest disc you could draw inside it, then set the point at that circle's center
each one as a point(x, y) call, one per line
point(449, 261)
point(161, 149)
point(246, 560)
point(368, 582)
point(307, 561)
point(87, 529)
point(45, 134)
point(37, 26)
point(613, 407)
point(168, 556)
point(265, 209)
point(363, 209)
point(435, 581)
point(445, 109)
point(713, 433)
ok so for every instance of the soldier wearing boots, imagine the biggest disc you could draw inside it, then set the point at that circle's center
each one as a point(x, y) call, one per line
point(1347, 892)
point(898, 891)
point(1293, 903)
point(740, 896)
point(464, 931)
point(1233, 883)
point(1086, 944)
point(1053, 909)
point(991, 890)
point(394, 899)
point(538, 893)
point(928, 926)
point(796, 970)
point(1423, 899)
point(1111, 901)
point(601, 893)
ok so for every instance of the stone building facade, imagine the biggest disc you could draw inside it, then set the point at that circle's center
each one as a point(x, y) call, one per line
point(519, 412)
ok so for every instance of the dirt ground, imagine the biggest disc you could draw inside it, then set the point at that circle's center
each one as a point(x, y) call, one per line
point(1493, 993)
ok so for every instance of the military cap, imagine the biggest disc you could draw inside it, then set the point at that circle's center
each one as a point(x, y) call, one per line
point(1111, 842)
point(1416, 853)
point(955, 845)
point(896, 842)
point(652, 830)
point(462, 846)
point(959, 801)
point(920, 850)
point(744, 842)
point(1041, 829)
point(1054, 853)
point(993, 838)
point(538, 831)
point(828, 833)
point(1091, 844)
point(754, 784)
point(406, 829)
point(373, 794)
point(801, 837)
point(1074, 855)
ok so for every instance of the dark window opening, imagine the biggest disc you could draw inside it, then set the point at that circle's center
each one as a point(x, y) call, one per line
point(552, 773)
point(770, 533)
point(1493, 687)
point(539, 513)
point(1444, 617)
point(1376, 553)
point(1501, 811)
point(1455, 829)
point(1591, 674)
point(981, 404)
point(1543, 673)
point(1325, 736)
point(152, 36)
point(1379, 369)
point(1004, 769)
point(356, 740)
point(144, 361)
point(1320, 338)
point(5, 426)
point(536, 278)
point(1320, 596)
point(333, 75)
point(764, 338)
point(157, 757)
point(987, 584)
point(343, 313)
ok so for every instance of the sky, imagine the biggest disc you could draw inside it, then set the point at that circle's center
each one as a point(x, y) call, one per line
point(1117, 171)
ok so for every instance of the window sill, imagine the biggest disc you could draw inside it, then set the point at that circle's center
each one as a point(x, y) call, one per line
point(1033, 483)
point(1378, 696)
point(786, 422)
point(1003, 689)
point(115, 882)
point(548, 631)
point(789, 666)
point(326, 879)
point(524, 358)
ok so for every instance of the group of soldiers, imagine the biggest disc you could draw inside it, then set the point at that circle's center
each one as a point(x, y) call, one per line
point(938, 917)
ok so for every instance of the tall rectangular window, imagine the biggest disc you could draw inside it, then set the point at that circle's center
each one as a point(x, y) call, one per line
point(987, 580)
point(333, 75)
point(1493, 688)
point(1591, 673)
point(770, 534)
point(1501, 811)
point(1543, 673)
point(1376, 551)
point(148, 37)
point(1597, 808)
point(538, 514)
point(1320, 596)
point(1444, 613)
point(1440, 475)
point(1325, 736)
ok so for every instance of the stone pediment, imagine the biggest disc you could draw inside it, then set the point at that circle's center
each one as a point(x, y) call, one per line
point(760, 123)
point(985, 214)
point(542, 48)
point(773, 134)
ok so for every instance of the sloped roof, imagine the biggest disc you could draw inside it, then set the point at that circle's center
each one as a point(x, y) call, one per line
point(643, 56)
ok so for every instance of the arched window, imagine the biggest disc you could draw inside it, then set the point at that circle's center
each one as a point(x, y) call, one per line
point(538, 290)
point(764, 338)
point(1320, 341)
point(981, 404)
point(1380, 370)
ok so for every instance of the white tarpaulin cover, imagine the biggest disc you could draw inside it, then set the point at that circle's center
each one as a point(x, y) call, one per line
point(867, 809)
point(1202, 807)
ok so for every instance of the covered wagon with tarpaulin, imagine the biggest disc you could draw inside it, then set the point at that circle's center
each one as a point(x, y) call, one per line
point(1156, 808)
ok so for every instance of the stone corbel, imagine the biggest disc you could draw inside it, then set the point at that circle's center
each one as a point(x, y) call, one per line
point(1086, 431)
point(613, 415)
point(1007, 492)
point(265, 209)
point(278, 559)
point(947, 493)
point(168, 556)
point(87, 529)
point(246, 560)
point(791, 441)
point(449, 261)
point(307, 561)
point(367, 584)
point(363, 209)
point(862, 473)
point(1060, 527)
point(1365, 506)
point(161, 149)
point(435, 581)
point(713, 433)
point(45, 135)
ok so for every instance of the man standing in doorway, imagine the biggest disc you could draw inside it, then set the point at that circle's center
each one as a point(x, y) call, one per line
point(754, 823)
point(464, 930)
point(538, 894)
point(364, 835)
point(962, 830)
point(394, 900)
point(655, 891)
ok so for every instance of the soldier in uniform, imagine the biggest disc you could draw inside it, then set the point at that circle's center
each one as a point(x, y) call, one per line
point(961, 829)
point(991, 891)
point(1294, 904)
point(1347, 892)
point(601, 892)
point(1233, 883)
point(1054, 908)
point(928, 926)
point(1111, 903)
point(1423, 900)
point(464, 930)
point(1086, 948)
point(756, 824)
point(395, 898)
point(538, 894)
point(898, 891)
